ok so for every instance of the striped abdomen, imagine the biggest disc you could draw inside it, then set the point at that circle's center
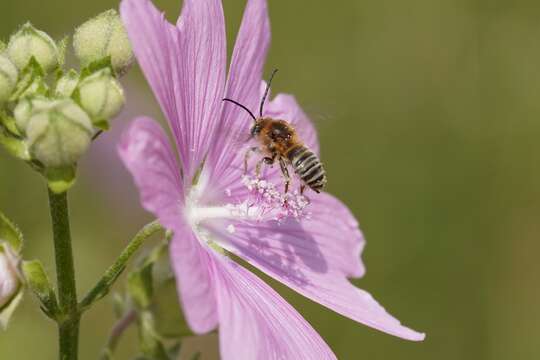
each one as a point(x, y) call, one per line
point(308, 167)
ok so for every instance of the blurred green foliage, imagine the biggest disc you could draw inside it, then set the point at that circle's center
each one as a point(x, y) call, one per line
point(428, 114)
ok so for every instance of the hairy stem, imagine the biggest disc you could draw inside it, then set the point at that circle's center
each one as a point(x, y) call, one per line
point(112, 273)
point(68, 319)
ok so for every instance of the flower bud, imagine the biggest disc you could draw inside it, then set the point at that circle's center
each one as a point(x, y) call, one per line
point(101, 96)
point(28, 42)
point(26, 107)
point(9, 275)
point(60, 134)
point(104, 36)
point(8, 78)
point(67, 84)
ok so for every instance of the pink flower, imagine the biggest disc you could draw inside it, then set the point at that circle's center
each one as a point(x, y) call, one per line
point(312, 248)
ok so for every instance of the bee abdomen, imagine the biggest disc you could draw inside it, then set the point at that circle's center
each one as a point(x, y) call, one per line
point(308, 167)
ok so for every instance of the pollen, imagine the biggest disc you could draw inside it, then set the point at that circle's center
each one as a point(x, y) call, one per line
point(231, 229)
point(273, 203)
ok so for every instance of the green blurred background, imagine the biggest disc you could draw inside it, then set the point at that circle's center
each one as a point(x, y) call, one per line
point(428, 115)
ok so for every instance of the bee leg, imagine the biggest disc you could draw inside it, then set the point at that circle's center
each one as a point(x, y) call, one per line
point(265, 160)
point(285, 173)
point(302, 188)
point(246, 157)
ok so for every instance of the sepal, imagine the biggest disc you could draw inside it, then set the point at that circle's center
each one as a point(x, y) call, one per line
point(10, 233)
point(38, 281)
point(31, 81)
point(61, 179)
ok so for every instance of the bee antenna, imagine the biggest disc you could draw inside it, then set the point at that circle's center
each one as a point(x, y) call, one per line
point(242, 106)
point(266, 91)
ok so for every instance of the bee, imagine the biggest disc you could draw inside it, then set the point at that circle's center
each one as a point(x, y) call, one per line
point(279, 142)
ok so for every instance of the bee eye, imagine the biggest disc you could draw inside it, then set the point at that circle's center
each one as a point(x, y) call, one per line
point(255, 130)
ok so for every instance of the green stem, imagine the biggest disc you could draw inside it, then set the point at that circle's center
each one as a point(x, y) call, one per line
point(68, 321)
point(109, 277)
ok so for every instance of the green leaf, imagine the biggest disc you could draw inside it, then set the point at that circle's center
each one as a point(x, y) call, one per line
point(168, 314)
point(39, 283)
point(141, 281)
point(140, 286)
point(7, 311)
point(2, 46)
point(151, 344)
point(61, 179)
point(10, 232)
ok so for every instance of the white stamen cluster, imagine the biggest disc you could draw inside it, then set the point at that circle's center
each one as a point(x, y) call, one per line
point(270, 201)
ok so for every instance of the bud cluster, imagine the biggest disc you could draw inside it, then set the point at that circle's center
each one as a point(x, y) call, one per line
point(50, 115)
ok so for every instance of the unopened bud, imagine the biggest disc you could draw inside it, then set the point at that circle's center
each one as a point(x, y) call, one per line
point(28, 42)
point(59, 135)
point(104, 36)
point(27, 107)
point(9, 275)
point(67, 84)
point(101, 96)
point(8, 78)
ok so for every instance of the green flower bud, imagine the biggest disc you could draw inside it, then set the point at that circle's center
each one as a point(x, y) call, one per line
point(27, 107)
point(10, 282)
point(28, 42)
point(101, 96)
point(60, 134)
point(67, 84)
point(8, 78)
point(101, 37)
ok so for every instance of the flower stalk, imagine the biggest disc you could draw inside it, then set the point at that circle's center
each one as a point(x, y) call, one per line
point(68, 320)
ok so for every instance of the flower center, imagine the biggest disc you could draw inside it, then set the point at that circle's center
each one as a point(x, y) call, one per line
point(262, 202)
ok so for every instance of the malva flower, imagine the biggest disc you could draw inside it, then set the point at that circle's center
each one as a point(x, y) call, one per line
point(214, 211)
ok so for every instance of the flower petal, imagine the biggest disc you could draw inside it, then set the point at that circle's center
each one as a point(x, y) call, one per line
point(154, 45)
point(313, 257)
point(145, 151)
point(257, 323)
point(245, 76)
point(202, 70)
point(192, 266)
point(185, 67)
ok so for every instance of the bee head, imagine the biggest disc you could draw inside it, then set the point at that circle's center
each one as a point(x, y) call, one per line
point(256, 129)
